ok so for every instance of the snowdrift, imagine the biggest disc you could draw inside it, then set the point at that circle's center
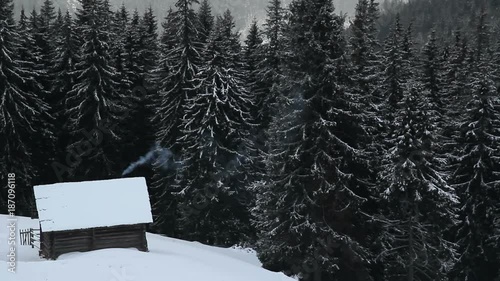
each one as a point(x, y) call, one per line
point(168, 259)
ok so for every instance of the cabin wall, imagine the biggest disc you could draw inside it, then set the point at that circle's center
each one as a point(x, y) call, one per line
point(55, 244)
point(45, 244)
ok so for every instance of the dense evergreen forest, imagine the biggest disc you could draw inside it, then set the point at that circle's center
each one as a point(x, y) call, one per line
point(242, 10)
point(443, 16)
point(368, 151)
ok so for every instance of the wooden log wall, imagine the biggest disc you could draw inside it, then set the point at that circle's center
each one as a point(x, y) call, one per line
point(54, 244)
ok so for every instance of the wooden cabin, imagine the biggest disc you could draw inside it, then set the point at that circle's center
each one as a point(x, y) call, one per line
point(86, 216)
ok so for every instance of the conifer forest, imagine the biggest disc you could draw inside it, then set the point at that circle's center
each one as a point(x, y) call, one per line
point(361, 147)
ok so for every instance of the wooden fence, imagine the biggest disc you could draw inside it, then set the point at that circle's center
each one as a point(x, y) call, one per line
point(30, 237)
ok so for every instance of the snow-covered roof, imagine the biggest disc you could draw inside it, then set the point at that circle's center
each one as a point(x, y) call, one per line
point(82, 205)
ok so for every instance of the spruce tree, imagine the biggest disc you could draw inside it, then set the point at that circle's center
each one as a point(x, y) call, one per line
point(267, 57)
point(120, 25)
point(309, 209)
point(394, 74)
point(32, 57)
point(181, 80)
point(147, 51)
point(65, 58)
point(432, 77)
point(23, 115)
point(139, 53)
point(27, 51)
point(206, 22)
point(272, 52)
point(134, 66)
point(44, 40)
point(273, 29)
point(149, 41)
point(253, 58)
point(420, 205)
point(432, 80)
point(367, 72)
point(477, 172)
point(367, 75)
point(94, 105)
point(119, 36)
point(363, 42)
point(168, 37)
point(35, 49)
point(58, 23)
point(105, 13)
point(456, 75)
point(177, 81)
point(364, 46)
point(217, 127)
point(46, 19)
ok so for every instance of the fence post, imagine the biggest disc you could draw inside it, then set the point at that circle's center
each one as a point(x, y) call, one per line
point(32, 236)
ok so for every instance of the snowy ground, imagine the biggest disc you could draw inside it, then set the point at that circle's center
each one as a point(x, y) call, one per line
point(168, 259)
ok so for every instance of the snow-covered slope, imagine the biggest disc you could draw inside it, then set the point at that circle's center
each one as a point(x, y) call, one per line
point(168, 259)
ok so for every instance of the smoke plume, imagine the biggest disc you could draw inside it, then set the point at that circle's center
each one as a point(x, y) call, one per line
point(158, 156)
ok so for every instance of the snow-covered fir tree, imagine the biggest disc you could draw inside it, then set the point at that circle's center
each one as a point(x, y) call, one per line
point(456, 74)
point(137, 62)
point(65, 56)
point(181, 80)
point(420, 205)
point(477, 173)
point(395, 76)
point(121, 20)
point(57, 25)
point(167, 39)
point(117, 42)
point(217, 128)
point(363, 47)
point(432, 74)
point(27, 51)
point(46, 21)
point(398, 72)
point(132, 49)
point(272, 52)
point(309, 210)
point(253, 59)
point(44, 40)
point(264, 58)
point(367, 73)
point(206, 22)
point(177, 80)
point(150, 47)
point(431, 77)
point(36, 53)
point(94, 106)
point(23, 115)
point(148, 52)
